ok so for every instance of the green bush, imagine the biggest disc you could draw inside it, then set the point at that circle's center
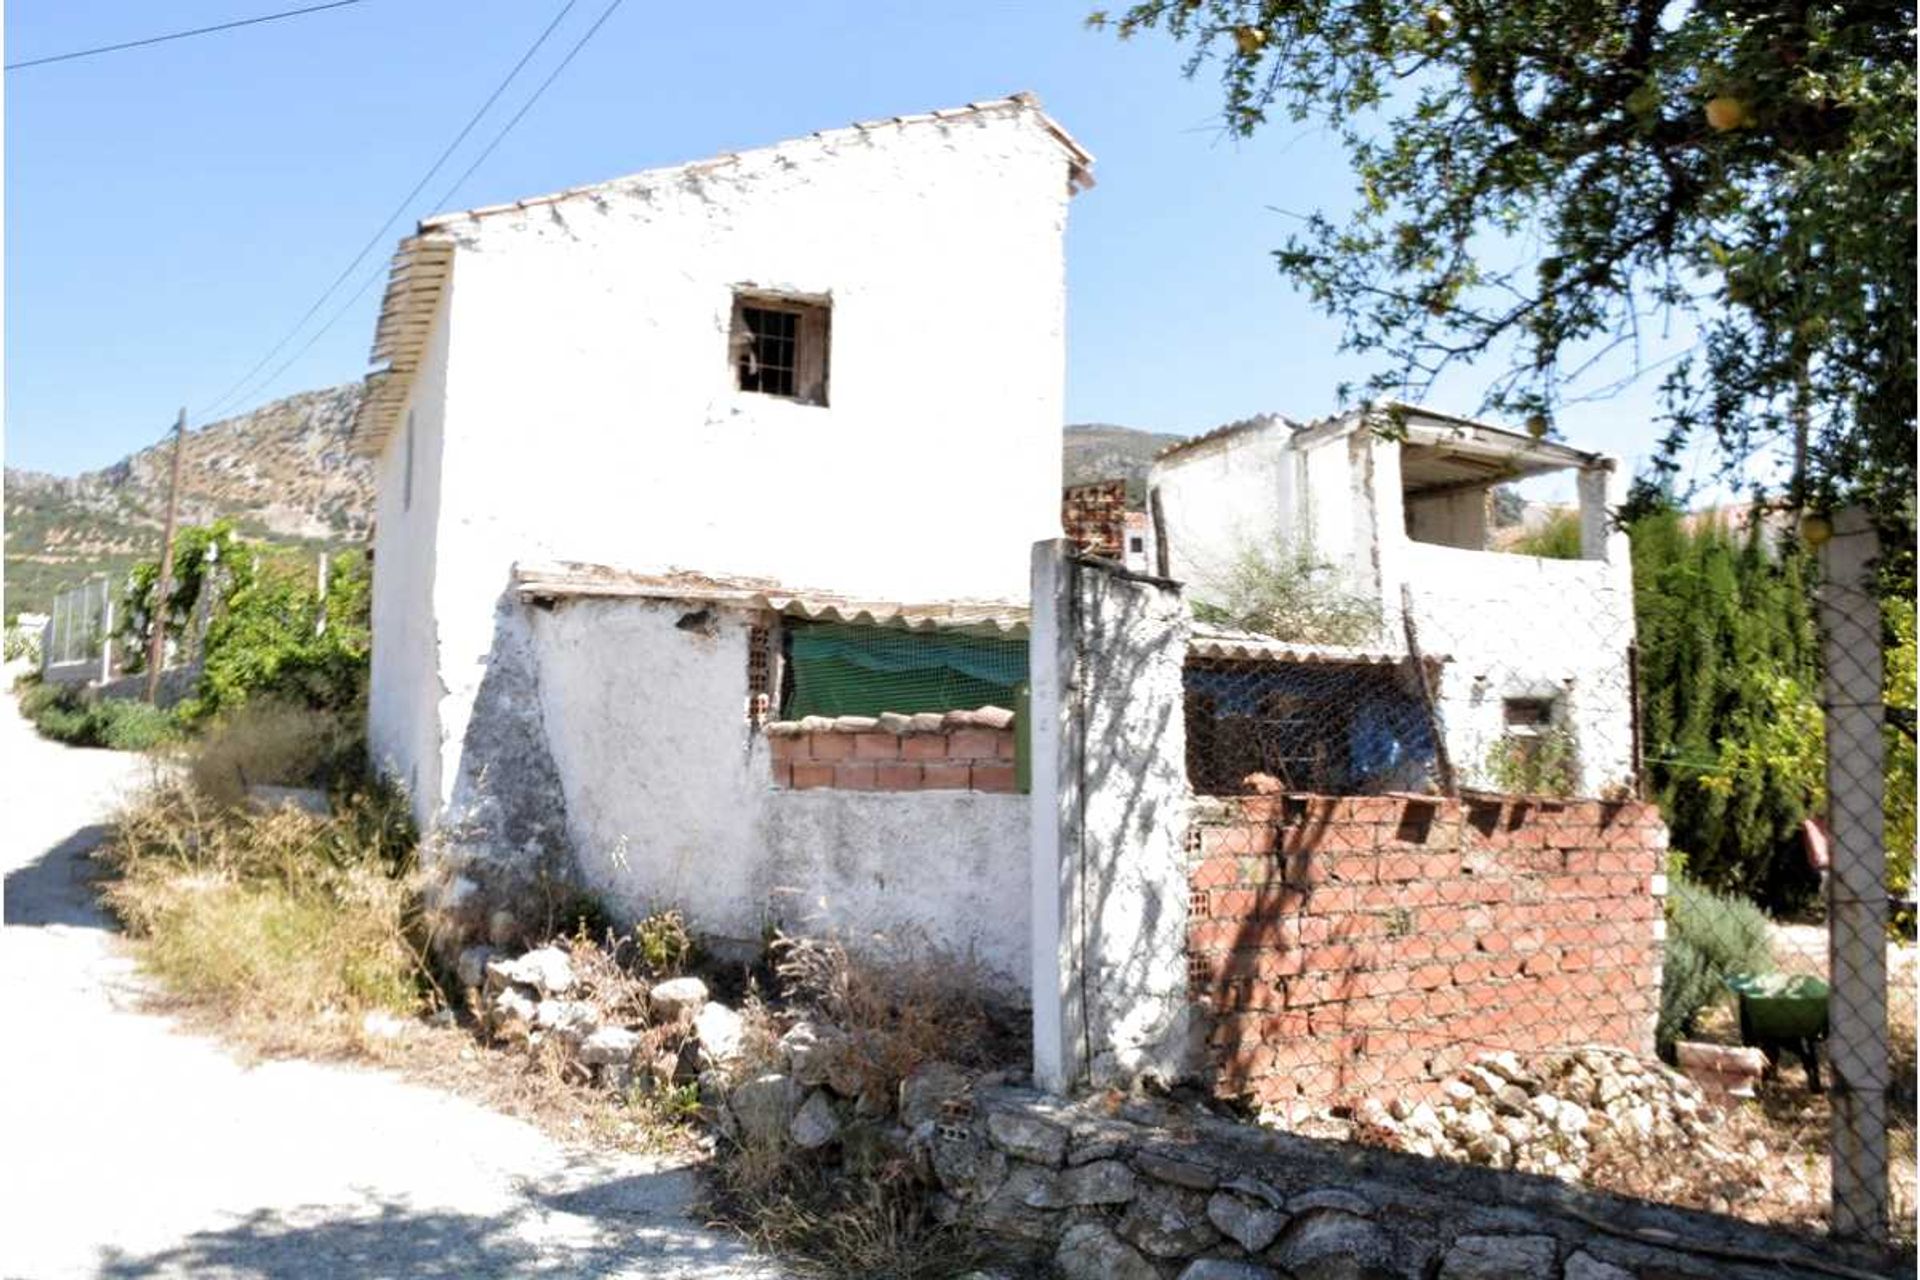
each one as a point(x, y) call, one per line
point(267, 639)
point(1710, 937)
point(69, 714)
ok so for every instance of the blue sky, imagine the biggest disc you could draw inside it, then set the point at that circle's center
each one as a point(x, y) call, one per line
point(171, 211)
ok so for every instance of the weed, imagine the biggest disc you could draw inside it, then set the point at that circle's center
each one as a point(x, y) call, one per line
point(285, 923)
point(664, 945)
point(900, 1002)
point(277, 742)
point(878, 1226)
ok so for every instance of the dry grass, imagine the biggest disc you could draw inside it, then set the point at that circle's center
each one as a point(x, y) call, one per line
point(289, 928)
point(269, 741)
point(878, 1226)
point(900, 1002)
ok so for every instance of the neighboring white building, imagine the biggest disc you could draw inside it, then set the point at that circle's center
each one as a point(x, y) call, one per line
point(835, 363)
point(1391, 508)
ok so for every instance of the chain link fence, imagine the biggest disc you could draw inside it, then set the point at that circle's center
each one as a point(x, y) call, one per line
point(1482, 894)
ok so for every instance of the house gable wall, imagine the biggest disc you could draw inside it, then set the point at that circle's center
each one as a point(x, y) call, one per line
point(403, 714)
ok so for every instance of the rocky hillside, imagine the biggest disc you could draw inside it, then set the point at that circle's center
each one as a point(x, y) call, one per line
point(1101, 451)
point(283, 471)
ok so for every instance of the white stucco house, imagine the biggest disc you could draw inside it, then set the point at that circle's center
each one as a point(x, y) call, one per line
point(631, 436)
point(1391, 507)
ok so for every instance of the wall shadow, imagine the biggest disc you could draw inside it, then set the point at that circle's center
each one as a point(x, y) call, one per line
point(57, 887)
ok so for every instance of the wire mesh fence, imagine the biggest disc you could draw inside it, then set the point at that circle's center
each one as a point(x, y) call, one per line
point(78, 638)
point(1484, 896)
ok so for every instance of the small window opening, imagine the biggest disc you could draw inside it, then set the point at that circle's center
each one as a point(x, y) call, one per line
point(406, 485)
point(1536, 755)
point(779, 347)
point(1137, 545)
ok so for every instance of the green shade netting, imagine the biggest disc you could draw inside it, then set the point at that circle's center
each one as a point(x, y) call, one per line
point(839, 670)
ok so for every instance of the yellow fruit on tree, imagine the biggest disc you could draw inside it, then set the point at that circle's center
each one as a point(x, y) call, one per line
point(1725, 113)
point(1249, 39)
point(1815, 529)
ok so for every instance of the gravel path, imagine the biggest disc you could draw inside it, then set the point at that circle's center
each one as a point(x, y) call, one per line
point(134, 1149)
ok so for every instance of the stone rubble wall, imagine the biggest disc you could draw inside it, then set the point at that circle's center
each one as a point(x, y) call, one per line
point(1371, 946)
point(1143, 1191)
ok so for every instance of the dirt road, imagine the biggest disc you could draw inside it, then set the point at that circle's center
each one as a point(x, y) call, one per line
point(134, 1149)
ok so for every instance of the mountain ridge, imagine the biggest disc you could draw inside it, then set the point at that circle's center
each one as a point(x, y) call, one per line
point(284, 472)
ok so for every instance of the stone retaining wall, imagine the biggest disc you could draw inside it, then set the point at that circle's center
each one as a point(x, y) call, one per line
point(1370, 946)
point(1140, 1191)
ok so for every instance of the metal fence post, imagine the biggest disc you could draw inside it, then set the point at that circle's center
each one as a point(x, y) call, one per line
point(106, 630)
point(1857, 883)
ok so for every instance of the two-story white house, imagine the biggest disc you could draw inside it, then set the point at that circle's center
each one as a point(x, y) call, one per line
point(1390, 509)
point(632, 436)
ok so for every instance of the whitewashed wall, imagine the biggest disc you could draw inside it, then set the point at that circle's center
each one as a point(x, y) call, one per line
point(1307, 489)
point(1526, 627)
point(591, 412)
point(670, 803)
point(1110, 812)
point(403, 710)
point(1513, 626)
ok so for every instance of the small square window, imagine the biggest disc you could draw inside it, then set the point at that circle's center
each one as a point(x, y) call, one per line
point(1529, 715)
point(1137, 545)
point(779, 346)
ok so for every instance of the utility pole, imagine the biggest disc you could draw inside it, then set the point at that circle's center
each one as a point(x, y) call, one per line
point(156, 651)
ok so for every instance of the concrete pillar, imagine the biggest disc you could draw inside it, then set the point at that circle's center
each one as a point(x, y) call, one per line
point(1603, 491)
point(1853, 700)
point(1059, 1016)
point(1109, 814)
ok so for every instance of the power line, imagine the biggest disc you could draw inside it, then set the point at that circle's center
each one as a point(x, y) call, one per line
point(347, 306)
point(528, 105)
point(247, 379)
point(176, 35)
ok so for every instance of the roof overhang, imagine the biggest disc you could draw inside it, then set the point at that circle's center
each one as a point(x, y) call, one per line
point(1441, 453)
point(550, 583)
point(422, 267)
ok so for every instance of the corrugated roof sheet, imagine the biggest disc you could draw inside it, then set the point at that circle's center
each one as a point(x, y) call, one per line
point(572, 581)
point(1212, 641)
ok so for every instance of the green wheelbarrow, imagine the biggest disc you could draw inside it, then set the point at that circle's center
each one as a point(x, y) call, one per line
point(1783, 1011)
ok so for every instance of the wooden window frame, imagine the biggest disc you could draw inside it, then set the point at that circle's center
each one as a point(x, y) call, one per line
point(813, 342)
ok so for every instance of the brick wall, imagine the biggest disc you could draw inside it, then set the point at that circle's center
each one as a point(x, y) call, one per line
point(1368, 946)
point(1094, 517)
point(955, 751)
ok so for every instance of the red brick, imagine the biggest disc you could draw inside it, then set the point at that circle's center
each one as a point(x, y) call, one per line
point(974, 744)
point(945, 777)
point(1427, 977)
point(924, 746)
point(1006, 746)
point(854, 777)
point(897, 776)
point(812, 775)
point(876, 746)
point(1237, 839)
point(832, 746)
point(782, 774)
point(790, 747)
point(993, 777)
point(1468, 972)
point(1339, 838)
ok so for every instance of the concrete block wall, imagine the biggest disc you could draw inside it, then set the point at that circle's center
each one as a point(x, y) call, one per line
point(1371, 946)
